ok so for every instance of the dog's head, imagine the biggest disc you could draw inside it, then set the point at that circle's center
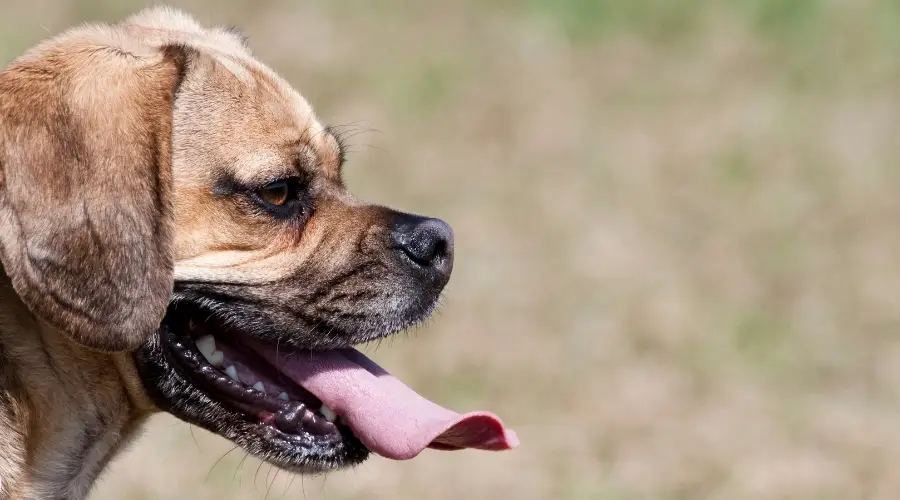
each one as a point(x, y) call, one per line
point(164, 191)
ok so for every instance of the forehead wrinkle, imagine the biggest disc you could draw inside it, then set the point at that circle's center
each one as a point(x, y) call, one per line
point(299, 113)
point(277, 101)
point(254, 73)
point(301, 108)
point(234, 66)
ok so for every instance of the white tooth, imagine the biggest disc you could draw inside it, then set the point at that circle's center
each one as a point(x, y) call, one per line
point(231, 371)
point(283, 396)
point(206, 345)
point(259, 387)
point(207, 356)
point(328, 413)
point(217, 358)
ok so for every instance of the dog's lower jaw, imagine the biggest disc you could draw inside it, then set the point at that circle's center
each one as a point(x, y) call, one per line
point(176, 393)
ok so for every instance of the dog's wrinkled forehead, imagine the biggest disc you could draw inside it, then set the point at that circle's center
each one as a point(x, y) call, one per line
point(239, 125)
point(261, 115)
point(234, 116)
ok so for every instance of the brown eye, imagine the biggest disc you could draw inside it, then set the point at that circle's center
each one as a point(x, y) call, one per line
point(275, 193)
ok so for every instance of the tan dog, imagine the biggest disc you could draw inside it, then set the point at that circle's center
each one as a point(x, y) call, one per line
point(175, 236)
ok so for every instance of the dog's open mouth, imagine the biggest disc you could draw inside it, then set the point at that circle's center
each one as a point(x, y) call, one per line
point(321, 398)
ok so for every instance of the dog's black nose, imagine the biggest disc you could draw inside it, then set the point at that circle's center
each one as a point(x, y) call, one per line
point(427, 242)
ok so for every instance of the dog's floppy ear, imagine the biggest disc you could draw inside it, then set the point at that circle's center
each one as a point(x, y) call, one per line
point(85, 182)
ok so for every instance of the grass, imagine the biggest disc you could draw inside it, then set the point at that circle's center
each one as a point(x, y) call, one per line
point(677, 273)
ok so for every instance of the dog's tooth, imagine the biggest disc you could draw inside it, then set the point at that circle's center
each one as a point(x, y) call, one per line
point(217, 358)
point(231, 371)
point(206, 356)
point(206, 345)
point(283, 396)
point(259, 387)
point(328, 413)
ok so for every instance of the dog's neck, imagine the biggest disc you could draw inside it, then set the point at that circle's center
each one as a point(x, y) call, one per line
point(64, 410)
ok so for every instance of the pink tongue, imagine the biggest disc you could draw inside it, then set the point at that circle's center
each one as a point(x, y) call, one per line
point(391, 419)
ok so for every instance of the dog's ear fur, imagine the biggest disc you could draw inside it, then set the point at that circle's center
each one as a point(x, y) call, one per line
point(85, 183)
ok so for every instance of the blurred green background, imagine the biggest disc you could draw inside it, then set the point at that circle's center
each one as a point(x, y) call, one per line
point(678, 267)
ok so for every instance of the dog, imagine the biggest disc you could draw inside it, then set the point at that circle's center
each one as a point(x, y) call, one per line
point(175, 236)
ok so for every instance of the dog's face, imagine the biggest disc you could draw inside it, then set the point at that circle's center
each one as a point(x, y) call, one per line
point(270, 247)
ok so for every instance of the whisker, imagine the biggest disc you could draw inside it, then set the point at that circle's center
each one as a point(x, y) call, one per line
point(302, 486)
point(191, 428)
point(217, 462)
point(288, 487)
point(257, 474)
point(239, 468)
point(273, 484)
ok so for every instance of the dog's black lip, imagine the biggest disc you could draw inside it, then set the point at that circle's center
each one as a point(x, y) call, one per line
point(187, 361)
point(330, 335)
point(173, 393)
point(344, 329)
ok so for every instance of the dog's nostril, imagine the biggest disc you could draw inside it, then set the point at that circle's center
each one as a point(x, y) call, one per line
point(440, 250)
point(427, 242)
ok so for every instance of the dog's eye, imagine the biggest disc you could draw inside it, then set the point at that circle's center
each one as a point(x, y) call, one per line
point(283, 199)
point(275, 193)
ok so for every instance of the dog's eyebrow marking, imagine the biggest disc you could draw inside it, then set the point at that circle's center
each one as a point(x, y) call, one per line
point(338, 144)
point(307, 158)
point(301, 153)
